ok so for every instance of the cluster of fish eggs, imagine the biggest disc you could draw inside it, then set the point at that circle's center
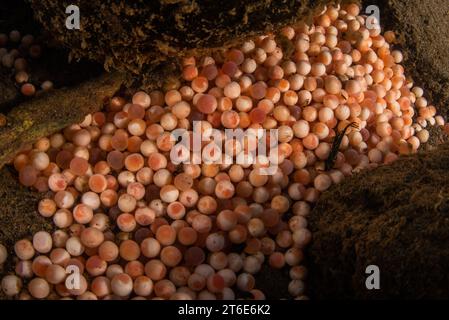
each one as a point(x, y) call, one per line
point(138, 225)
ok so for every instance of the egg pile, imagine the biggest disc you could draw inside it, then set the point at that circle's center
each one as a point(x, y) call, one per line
point(137, 225)
point(15, 53)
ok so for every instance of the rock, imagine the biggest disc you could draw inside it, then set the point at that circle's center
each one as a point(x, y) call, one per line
point(395, 217)
point(54, 110)
point(146, 39)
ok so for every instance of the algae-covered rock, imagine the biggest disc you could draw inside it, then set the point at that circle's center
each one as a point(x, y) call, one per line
point(144, 38)
point(395, 217)
point(53, 111)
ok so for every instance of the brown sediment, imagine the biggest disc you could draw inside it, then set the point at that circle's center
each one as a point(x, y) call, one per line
point(53, 111)
point(273, 282)
point(437, 136)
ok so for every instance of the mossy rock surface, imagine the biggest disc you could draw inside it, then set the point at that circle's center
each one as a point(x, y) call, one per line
point(146, 38)
point(53, 111)
point(395, 217)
